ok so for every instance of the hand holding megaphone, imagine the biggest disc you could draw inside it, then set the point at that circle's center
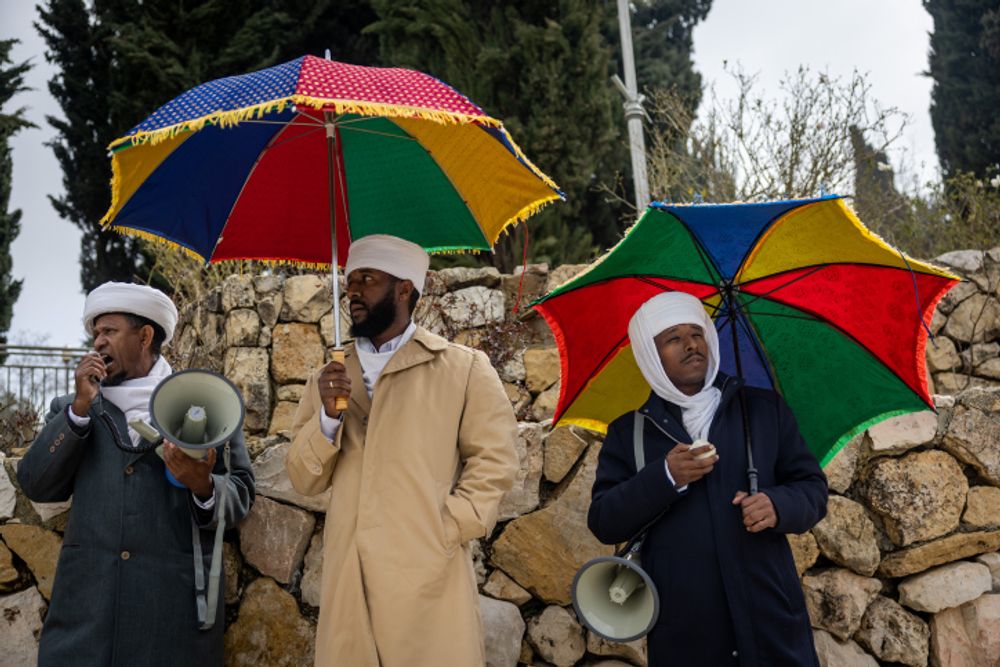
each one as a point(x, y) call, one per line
point(195, 474)
point(192, 412)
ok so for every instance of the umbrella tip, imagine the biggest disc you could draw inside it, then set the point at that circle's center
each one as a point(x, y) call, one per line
point(326, 54)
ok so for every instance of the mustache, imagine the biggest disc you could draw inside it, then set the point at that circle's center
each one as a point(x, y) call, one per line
point(693, 355)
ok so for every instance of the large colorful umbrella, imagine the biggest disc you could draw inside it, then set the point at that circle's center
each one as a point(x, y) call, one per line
point(265, 165)
point(822, 311)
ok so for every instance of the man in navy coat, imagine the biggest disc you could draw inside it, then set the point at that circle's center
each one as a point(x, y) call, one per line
point(729, 591)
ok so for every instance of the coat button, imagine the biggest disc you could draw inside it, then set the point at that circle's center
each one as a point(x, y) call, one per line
point(126, 555)
point(129, 470)
point(52, 449)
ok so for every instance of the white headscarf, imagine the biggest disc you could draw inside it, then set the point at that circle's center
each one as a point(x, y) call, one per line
point(141, 300)
point(662, 312)
point(397, 257)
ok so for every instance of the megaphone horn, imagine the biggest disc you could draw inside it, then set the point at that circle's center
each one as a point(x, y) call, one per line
point(195, 409)
point(615, 598)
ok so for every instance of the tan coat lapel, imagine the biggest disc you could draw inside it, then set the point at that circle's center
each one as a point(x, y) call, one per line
point(418, 350)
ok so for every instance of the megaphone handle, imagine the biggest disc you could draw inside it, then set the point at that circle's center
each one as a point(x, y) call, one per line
point(341, 402)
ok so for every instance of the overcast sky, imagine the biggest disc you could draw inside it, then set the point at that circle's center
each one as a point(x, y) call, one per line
point(887, 39)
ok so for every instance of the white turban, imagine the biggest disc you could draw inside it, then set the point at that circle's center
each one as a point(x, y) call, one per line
point(140, 300)
point(658, 314)
point(397, 257)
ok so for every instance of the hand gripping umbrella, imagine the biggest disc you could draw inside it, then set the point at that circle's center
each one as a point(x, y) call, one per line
point(290, 163)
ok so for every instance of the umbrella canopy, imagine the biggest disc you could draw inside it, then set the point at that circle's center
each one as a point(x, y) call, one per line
point(249, 167)
point(822, 311)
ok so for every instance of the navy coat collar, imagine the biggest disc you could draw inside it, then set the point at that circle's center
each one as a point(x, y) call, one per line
point(668, 416)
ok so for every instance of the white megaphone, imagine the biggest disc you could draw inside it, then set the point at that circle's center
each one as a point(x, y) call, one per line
point(195, 409)
point(614, 597)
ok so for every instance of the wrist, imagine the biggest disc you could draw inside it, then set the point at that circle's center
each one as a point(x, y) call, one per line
point(204, 491)
point(80, 407)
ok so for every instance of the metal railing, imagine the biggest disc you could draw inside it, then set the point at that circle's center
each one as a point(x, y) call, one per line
point(34, 375)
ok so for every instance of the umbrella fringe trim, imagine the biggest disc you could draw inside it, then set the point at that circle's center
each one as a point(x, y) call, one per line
point(225, 119)
point(529, 164)
point(148, 236)
point(116, 184)
point(525, 213)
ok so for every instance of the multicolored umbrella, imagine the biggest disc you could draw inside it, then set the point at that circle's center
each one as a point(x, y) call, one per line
point(237, 168)
point(265, 165)
point(822, 310)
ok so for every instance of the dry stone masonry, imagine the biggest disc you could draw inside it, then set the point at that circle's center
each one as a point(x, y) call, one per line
point(905, 568)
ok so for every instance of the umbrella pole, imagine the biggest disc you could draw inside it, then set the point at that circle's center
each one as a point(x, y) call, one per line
point(331, 147)
point(747, 439)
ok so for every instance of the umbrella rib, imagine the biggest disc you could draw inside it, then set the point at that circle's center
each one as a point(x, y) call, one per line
point(816, 269)
point(813, 317)
point(260, 121)
point(618, 346)
point(649, 281)
point(754, 339)
point(270, 144)
point(381, 134)
point(291, 139)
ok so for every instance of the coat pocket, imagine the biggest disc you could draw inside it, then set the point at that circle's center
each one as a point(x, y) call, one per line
point(452, 533)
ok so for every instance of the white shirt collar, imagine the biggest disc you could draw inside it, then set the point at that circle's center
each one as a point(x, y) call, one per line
point(390, 345)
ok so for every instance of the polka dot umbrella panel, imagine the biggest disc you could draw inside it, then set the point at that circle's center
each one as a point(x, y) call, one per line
point(239, 167)
point(822, 310)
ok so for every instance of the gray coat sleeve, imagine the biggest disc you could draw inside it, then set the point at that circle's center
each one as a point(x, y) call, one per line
point(47, 471)
point(241, 488)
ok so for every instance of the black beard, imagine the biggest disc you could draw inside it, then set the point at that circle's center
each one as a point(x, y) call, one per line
point(114, 380)
point(380, 317)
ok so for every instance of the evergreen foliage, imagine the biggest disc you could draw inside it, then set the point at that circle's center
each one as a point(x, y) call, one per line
point(11, 83)
point(965, 66)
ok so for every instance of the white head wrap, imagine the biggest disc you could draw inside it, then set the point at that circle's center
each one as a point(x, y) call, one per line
point(397, 257)
point(658, 314)
point(141, 300)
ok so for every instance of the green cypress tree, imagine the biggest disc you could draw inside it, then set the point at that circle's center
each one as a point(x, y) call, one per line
point(965, 66)
point(11, 83)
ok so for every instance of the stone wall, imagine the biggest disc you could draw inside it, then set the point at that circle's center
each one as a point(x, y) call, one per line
point(905, 568)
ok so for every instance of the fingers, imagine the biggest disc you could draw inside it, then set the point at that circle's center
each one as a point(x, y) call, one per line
point(758, 511)
point(91, 368)
point(738, 498)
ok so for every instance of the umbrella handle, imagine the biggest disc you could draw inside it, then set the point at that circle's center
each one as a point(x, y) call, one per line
point(341, 401)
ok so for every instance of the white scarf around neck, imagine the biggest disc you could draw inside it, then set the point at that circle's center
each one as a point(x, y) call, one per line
point(132, 396)
point(658, 314)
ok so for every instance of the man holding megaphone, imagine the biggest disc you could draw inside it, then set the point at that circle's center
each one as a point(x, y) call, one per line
point(127, 589)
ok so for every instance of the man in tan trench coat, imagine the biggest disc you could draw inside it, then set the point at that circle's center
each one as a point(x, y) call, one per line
point(417, 463)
